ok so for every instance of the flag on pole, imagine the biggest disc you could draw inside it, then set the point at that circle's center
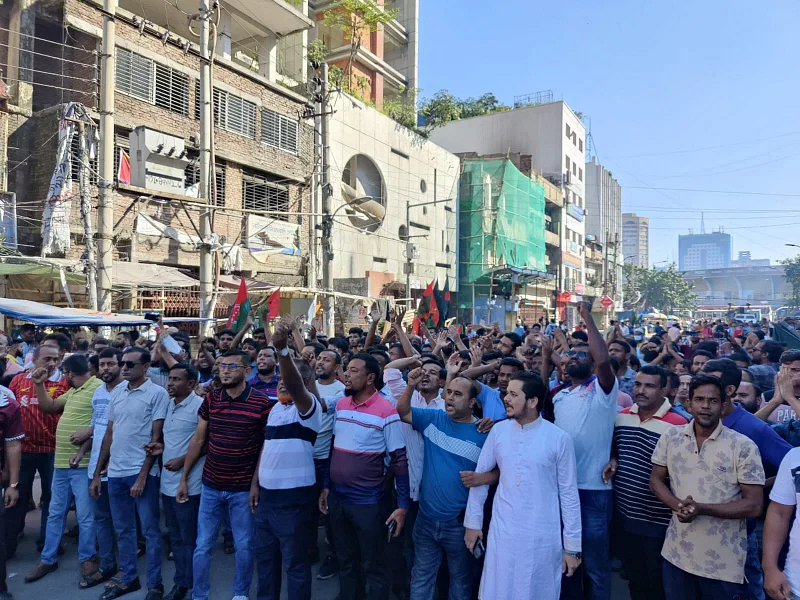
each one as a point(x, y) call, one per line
point(433, 305)
point(444, 309)
point(424, 307)
point(241, 308)
point(274, 305)
point(438, 318)
point(124, 169)
point(312, 310)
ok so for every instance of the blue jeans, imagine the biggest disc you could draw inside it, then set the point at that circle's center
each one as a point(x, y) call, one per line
point(752, 567)
point(124, 509)
point(431, 538)
point(66, 484)
point(593, 581)
point(680, 585)
point(212, 505)
point(181, 520)
point(283, 537)
point(104, 530)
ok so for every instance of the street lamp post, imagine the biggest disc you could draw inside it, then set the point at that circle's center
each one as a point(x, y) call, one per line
point(409, 255)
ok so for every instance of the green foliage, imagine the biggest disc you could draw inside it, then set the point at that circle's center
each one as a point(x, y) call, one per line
point(317, 51)
point(486, 104)
point(440, 109)
point(664, 290)
point(403, 108)
point(792, 276)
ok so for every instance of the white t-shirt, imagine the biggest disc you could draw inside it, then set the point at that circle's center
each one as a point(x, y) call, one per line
point(785, 492)
point(322, 447)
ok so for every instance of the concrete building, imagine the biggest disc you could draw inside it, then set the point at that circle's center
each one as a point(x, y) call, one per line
point(604, 224)
point(386, 63)
point(745, 260)
point(554, 137)
point(636, 239)
point(740, 286)
point(264, 148)
point(373, 156)
point(704, 251)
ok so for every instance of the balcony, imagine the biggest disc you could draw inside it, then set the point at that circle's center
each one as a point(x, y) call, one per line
point(551, 239)
point(594, 256)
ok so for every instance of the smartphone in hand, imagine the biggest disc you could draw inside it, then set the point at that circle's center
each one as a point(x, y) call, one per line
point(390, 529)
point(478, 550)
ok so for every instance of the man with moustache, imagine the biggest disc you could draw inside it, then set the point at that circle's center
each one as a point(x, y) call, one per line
point(451, 444)
point(642, 518)
point(230, 427)
point(586, 410)
point(265, 379)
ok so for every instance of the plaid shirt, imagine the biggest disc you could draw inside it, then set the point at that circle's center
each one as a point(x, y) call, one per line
point(764, 375)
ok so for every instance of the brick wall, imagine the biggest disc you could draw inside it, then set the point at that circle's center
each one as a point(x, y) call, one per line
point(233, 150)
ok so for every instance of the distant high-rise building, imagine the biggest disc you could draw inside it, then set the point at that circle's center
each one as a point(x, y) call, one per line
point(636, 239)
point(700, 251)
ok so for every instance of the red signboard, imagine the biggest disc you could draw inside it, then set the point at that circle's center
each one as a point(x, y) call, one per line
point(606, 302)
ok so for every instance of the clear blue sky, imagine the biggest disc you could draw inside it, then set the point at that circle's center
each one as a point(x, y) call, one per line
point(709, 90)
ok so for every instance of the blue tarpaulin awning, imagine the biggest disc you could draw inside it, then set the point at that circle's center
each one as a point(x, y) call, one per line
point(55, 316)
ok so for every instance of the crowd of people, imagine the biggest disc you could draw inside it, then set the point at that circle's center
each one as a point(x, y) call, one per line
point(458, 463)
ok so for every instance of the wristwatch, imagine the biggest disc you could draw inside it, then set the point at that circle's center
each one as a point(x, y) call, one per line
point(284, 351)
point(14, 485)
point(572, 554)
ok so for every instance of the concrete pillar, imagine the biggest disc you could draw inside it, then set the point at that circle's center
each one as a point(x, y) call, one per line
point(268, 56)
point(22, 28)
point(224, 36)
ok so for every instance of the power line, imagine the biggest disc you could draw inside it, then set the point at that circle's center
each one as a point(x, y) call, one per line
point(703, 191)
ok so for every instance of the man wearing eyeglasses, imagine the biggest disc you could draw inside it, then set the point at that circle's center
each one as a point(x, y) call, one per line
point(231, 425)
point(136, 413)
point(586, 410)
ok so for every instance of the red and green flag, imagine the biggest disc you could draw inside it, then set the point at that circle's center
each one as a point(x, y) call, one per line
point(435, 319)
point(241, 308)
point(444, 309)
point(274, 305)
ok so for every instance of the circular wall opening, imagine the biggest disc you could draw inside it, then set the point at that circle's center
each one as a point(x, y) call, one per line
point(364, 189)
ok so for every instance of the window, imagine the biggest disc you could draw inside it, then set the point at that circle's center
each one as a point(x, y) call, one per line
point(121, 142)
point(580, 174)
point(192, 175)
point(379, 259)
point(574, 168)
point(260, 193)
point(75, 165)
point(567, 161)
point(279, 131)
point(568, 131)
point(230, 112)
point(152, 82)
point(580, 145)
point(574, 139)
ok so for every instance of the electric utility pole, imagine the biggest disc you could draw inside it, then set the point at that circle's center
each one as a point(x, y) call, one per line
point(327, 192)
point(86, 215)
point(105, 200)
point(206, 259)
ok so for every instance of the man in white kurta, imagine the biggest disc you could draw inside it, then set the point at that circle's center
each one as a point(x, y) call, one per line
point(538, 491)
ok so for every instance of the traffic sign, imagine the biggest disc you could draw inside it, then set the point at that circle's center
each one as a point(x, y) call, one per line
point(606, 302)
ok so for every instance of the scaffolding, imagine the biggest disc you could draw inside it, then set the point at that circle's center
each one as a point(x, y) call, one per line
point(502, 229)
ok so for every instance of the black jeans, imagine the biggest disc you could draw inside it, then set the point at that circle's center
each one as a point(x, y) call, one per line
point(322, 469)
point(282, 538)
point(641, 559)
point(360, 535)
point(15, 517)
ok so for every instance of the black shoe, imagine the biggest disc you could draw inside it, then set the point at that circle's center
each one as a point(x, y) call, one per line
point(177, 593)
point(117, 591)
point(156, 593)
point(328, 568)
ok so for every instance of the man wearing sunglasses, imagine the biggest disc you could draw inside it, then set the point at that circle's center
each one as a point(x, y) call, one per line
point(136, 413)
point(586, 410)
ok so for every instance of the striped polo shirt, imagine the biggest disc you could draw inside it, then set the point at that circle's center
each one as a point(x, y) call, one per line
point(638, 509)
point(235, 436)
point(362, 435)
point(77, 415)
point(286, 471)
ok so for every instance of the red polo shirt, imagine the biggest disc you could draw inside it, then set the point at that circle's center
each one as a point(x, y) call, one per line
point(40, 428)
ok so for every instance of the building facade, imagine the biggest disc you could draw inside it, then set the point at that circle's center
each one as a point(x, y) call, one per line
point(704, 251)
point(263, 145)
point(604, 225)
point(636, 239)
point(385, 63)
point(553, 136)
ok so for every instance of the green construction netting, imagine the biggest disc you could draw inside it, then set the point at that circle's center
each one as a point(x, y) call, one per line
point(501, 219)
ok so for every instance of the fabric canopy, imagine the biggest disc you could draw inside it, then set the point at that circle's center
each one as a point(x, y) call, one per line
point(44, 314)
point(125, 274)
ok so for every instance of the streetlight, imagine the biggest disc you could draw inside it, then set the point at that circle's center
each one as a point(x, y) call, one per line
point(410, 255)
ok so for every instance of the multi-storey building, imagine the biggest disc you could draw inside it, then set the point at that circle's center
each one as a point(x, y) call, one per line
point(704, 251)
point(636, 239)
point(385, 62)
point(263, 145)
point(554, 137)
point(604, 224)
